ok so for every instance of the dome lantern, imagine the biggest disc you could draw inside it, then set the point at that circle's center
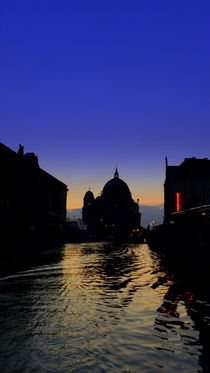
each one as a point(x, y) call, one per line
point(116, 174)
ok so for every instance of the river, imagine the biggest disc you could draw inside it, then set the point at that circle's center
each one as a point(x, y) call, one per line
point(99, 308)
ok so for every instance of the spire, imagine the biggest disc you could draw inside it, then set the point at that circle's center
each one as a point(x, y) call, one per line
point(116, 174)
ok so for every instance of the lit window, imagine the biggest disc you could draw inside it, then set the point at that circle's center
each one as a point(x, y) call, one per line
point(178, 201)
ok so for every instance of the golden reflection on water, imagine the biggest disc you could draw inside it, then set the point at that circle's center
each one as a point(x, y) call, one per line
point(99, 307)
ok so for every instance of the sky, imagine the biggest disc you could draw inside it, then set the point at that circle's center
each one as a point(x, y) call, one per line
point(88, 84)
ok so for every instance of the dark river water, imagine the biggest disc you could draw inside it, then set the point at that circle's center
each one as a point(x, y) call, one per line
point(100, 308)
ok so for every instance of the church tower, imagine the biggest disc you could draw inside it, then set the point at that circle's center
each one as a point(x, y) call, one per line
point(88, 210)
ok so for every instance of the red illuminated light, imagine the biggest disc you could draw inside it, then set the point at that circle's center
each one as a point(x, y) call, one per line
point(178, 201)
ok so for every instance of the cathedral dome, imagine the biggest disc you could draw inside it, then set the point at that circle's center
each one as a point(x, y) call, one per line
point(114, 211)
point(89, 196)
point(116, 186)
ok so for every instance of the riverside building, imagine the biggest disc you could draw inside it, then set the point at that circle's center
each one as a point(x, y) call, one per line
point(32, 202)
point(187, 185)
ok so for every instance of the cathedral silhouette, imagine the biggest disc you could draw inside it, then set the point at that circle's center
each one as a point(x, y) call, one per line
point(114, 211)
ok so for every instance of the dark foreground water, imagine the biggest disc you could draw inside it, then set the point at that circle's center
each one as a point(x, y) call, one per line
point(98, 308)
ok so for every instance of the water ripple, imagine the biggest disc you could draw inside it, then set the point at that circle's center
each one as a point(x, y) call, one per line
point(103, 308)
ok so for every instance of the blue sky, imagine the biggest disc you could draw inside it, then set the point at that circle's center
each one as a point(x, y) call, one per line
point(88, 84)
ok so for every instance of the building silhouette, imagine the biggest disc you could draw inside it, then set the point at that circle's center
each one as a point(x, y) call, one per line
point(187, 185)
point(32, 202)
point(114, 211)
